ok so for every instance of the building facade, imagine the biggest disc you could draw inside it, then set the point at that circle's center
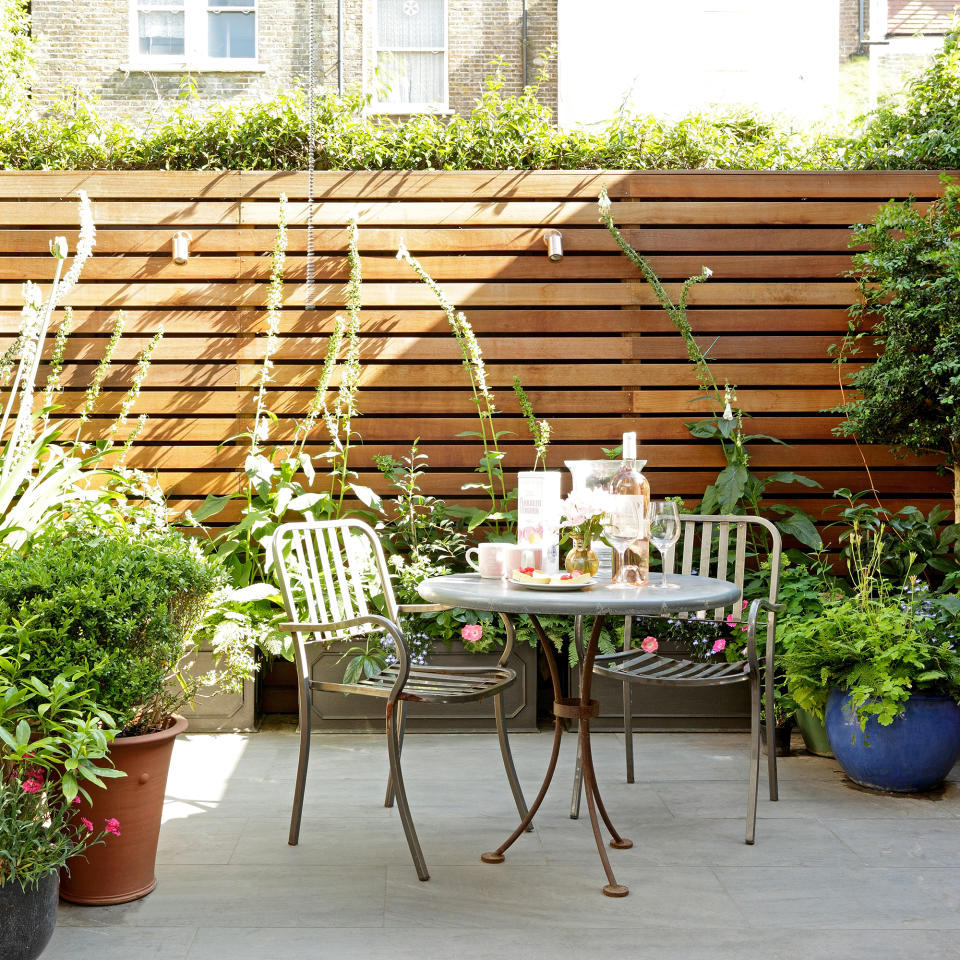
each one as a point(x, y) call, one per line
point(411, 56)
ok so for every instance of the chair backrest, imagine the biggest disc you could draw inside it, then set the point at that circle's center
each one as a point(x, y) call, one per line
point(719, 546)
point(329, 570)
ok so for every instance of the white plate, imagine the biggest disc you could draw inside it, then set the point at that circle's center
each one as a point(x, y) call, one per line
point(559, 585)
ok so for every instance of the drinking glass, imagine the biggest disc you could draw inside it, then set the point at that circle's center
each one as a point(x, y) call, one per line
point(664, 524)
point(622, 524)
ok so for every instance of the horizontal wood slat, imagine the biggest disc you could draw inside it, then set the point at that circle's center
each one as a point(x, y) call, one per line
point(585, 334)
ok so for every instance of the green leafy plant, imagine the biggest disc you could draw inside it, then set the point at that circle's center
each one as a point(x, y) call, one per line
point(52, 739)
point(122, 607)
point(539, 429)
point(737, 489)
point(878, 644)
point(909, 282)
point(491, 462)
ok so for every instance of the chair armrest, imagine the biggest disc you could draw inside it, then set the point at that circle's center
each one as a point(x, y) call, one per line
point(403, 656)
point(422, 607)
point(755, 607)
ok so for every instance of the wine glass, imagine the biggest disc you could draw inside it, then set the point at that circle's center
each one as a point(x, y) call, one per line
point(622, 524)
point(664, 524)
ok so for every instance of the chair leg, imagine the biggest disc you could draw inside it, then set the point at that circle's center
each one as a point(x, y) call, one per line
point(302, 762)
point(754, 786)
point(507, 756)
point(396, 777)
point(402, 721)
point(771, 737)
point(628, 703)
point(577, 785)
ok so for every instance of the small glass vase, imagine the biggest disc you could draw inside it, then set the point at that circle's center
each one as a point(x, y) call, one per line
point(581, 559)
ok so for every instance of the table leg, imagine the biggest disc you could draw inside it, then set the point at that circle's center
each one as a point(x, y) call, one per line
point(594, 801)
point(497, 855)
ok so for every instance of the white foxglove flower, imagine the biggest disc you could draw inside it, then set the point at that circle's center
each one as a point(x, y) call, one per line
point(707, 272)
point(603, 204)
point(727, 411)
point(59, 248)
point(402, 252)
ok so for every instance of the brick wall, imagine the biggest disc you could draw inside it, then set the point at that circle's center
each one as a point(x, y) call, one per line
point(87, 45)
point(850, 27)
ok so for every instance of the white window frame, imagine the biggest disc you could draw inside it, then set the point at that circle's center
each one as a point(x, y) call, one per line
point(195, 41)
point(388, 106)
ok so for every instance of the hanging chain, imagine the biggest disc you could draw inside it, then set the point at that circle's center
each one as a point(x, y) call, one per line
point(311, 148)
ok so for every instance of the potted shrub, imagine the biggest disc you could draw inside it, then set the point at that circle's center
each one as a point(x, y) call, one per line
point(51, 739)
point(881, 666)
point(123, 605)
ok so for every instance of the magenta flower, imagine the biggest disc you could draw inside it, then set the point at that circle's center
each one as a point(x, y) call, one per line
point(472, 632)
point(87, 825)
point(76, 799)
point(33, 783)
point(718, 645)
point(649, 644)
point(731, 620)
point(112, 826)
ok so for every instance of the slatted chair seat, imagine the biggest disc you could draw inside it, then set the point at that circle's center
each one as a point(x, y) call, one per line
point(654, 668)
point(431, 684)
point(722, 547)
point(336, 588)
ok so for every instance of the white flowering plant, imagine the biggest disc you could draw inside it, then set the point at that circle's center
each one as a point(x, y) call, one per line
point(737, 488)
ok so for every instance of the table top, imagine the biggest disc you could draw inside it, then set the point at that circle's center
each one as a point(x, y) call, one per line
point(684, 593)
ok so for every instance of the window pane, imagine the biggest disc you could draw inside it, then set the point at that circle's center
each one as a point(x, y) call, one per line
point(230, 3)
point(160, 3)
point(232, 35)
point(409, 24)
point(161, 33)
point(411, 77)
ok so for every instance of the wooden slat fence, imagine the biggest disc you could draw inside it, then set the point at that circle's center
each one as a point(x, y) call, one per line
point(595, 352)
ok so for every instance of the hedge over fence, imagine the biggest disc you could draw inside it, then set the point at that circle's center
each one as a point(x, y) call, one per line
point(919, 130)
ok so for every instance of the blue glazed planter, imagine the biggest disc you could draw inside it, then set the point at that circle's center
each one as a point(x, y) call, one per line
point(913, 754)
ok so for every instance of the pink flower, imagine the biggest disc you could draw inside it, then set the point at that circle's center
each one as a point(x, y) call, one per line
point(33, 783)
point(746, 603)
point(718, 645)
point(76, 799)
point(472, 632)
point(731, 620)
point(87, 825)
point(112, 826)
point(649, 644)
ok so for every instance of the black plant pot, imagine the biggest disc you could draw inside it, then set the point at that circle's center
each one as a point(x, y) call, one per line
point(781, 737)
point(27, 917)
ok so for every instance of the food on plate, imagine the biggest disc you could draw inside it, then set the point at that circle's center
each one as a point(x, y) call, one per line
point(530, 575)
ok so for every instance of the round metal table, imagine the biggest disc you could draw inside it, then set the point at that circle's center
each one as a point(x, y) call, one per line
point(683, 594)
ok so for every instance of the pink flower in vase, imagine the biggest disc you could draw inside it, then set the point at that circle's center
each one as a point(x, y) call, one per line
point(33, 783)
point(649, 644)
point(112, 826)
point(87, 825)
point(472, 632)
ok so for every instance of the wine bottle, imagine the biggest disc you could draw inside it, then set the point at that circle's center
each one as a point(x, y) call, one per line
point(630, 482)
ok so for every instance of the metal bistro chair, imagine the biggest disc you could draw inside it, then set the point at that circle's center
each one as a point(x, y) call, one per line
point(705, 548)
point(328, 572)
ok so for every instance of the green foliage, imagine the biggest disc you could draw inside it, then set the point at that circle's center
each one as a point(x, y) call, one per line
point(909, 283)
point(737, 489)
point(919, 130)
point(121, 608)
point(17, 54)
point(911, 546)
point(881, 643)
point(500, 133)
point(52, 736)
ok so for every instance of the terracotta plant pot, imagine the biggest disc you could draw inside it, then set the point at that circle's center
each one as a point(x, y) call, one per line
point(122, 868)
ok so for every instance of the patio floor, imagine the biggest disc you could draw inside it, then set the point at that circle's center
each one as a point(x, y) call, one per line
point(836, 871)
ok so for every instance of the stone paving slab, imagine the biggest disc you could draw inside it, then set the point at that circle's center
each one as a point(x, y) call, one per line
point(836, 870)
